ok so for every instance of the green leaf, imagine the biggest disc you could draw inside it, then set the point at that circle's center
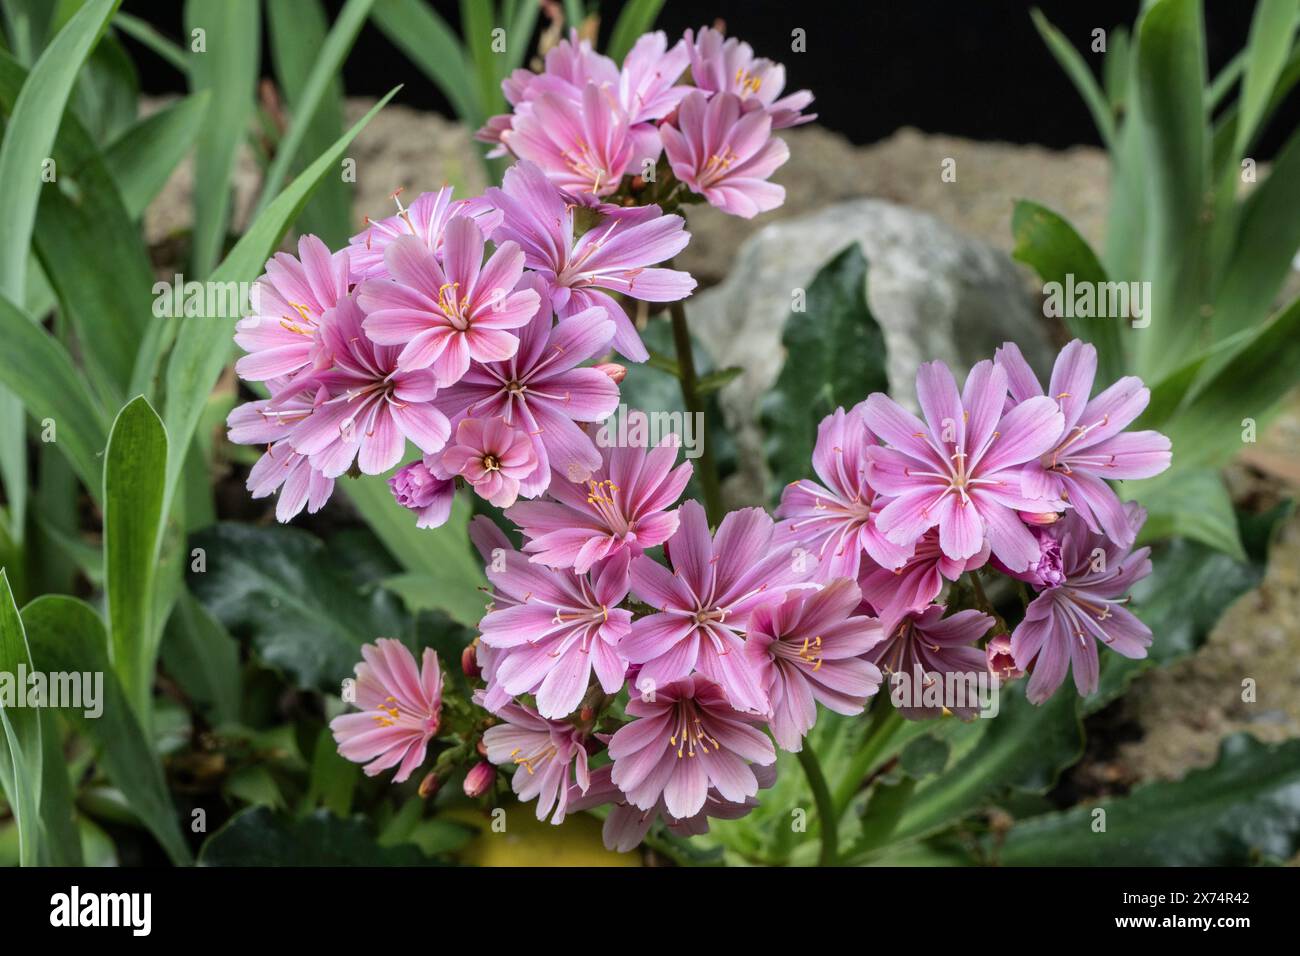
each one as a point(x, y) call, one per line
point(261, 837)
point(443, 572)
point(61, 845)
point(35, 367)
point(1192, 502)
point(21, 754)
point(328, 63)
point(144, 33)
point(1174, 133)
point(418, 31)
point(1243, 810)
point(106, 94)
point(835, 356)
point(204, 659)
point(636, 18)
point(67, 635)
point(204, 344)
point(298, 604)
point(228, 68)
point(333, 777)
point(477, 21)
point(1023, 747)
point(133, 516)
point(1080, 74)
point(143, 157)
point(1049, 245)
point(1271, 30)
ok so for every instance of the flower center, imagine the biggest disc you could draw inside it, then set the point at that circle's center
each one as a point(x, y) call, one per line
point(689, 732)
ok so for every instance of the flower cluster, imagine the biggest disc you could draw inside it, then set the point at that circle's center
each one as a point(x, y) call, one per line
point(633, 656)
point(587, 124)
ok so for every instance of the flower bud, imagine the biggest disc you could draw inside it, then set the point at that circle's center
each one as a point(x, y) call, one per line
point(481, 747)
point(1040, 519)
point(479, 780)
point(469, 661)
point(429, 785)
point(615, 371)
point(1002, 664)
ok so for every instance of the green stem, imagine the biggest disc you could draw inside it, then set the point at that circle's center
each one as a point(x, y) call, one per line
point(827, 818)
point(708, 469)
point(884, 721)
point(982, 600)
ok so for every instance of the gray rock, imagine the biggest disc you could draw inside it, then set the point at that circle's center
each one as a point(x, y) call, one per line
point(936, 293)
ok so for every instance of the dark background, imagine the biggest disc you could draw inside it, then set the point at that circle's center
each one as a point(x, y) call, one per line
point(974, 68)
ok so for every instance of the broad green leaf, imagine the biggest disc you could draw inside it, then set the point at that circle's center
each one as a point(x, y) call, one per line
point(67, 635)
point(443, 571)
point(1049, 245)
point(835, 356)
point(105, 97)
point(520, 39)
point(295, 600)
point(637, 17)
point(1271, 30)
point(1024, 748)
point(1080, 74)
point(61, 842)
point(228, 67)
point(28, 142)
point(133, 515)
point(204, 659)
point(143, 157)
point(328, 63)
point(91, 252)
point(417, 30)
point(333, 778)
point(28, 23)
point(1245, 387)
point(1173, 126)
point(1243, 810)
point(203, 345)
point(261, 837)
point(1192, 502)
point(21, 755)
point(35, 367)
point(477, 21)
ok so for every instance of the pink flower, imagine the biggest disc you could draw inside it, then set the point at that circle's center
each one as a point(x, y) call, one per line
point(1092, 445)
point(446, 312)
point(426, 219)
point(623, 505)
point(400, 709)
point(583, 147)
point(416, 487)
point(541, 390)
point(547, 755)
point(479, 780)
point(1064, 623)
point(922, 648)
point(561, 628)
point(626, 825)
point(726, 153)
point(647, 85)
point(614, 255)
point(705, 601)
point(280, 467)
point(807, 649)
point(490, 455)
point(369, 407)
point(837, 519)
point(1002, 663)
point(289, 302)
point(687, 739)
point(719, 65)
point(918, 582)
point(960, 468)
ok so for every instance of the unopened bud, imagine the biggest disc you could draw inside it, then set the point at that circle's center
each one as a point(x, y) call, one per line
point(615, 371)
point(429, 785)
point(479, 780)
point(586, 714)
point(1039, 518)
point(469, 661)
point(481, 747)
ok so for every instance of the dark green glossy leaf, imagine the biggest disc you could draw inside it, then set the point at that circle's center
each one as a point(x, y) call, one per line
point(260, 837)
